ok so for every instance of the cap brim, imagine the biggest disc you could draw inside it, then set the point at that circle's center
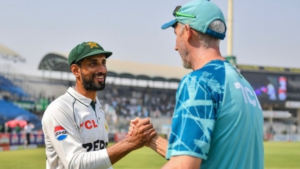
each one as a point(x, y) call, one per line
point(97, 52)
point(169, 24)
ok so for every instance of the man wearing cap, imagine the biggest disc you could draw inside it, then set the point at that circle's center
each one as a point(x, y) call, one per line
point(217, 121)
point(74, 125)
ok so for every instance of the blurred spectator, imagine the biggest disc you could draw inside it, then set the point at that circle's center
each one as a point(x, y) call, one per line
point(28, 130)
point(8, 129)
point(130, 101)
point(2, 128)
point(123, 103)
point(17, 129)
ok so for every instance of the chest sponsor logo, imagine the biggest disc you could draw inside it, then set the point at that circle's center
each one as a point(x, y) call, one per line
point(89, 124)
point(60, 133)
point(95, 145)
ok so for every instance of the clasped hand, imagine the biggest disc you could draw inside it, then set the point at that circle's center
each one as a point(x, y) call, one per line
point(141, 131)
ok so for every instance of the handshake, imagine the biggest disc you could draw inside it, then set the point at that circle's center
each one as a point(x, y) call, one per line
point(140, 132)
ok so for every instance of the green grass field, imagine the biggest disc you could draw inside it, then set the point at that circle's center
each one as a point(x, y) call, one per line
point(277, 156)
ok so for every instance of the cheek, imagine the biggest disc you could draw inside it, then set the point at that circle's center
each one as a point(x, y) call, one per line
point(104, 68)
point(176, 42)
point(92, 70)
point(86, 73)
point(99, 68)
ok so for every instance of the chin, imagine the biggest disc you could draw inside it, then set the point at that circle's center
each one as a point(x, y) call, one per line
point(101, 87)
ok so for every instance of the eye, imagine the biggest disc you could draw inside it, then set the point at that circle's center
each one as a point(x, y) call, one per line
point(93, 63)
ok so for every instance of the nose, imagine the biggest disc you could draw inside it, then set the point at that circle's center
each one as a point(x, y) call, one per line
point(102, 68)
point(176, 48)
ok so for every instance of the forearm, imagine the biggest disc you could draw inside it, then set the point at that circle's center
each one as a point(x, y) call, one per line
point(159, 145)
point(119, 150)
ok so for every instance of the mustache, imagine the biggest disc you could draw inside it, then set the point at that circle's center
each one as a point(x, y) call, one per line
point(99, 74)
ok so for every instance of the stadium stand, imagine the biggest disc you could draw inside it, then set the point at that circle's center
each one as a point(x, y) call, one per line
point(47, 88)
point(125, 97)
point(7, 85)
point(57, 62)
point(129, 101)
point(9, 54)
point(10, 111)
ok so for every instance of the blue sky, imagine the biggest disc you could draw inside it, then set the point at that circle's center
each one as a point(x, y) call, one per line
point(266, 32)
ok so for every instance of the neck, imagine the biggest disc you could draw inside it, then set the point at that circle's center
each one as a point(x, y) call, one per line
point(202, 56)
point(89, 94)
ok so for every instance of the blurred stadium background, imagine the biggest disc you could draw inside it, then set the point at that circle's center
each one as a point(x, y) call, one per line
point(138, 89)
point(135, 89)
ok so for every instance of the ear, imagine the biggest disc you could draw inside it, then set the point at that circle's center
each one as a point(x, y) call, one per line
point(189, 31)
point(75, 69)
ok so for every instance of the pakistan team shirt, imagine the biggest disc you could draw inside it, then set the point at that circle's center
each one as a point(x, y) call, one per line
point(218, 118)
point(76, 134)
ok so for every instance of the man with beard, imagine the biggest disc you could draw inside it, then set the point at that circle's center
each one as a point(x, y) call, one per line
point(74, 125)
point(218, 120)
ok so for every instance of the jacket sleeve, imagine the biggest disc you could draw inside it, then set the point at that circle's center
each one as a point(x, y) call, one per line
point(64, 144)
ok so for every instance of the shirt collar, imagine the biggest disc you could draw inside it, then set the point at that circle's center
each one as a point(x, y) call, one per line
point(82, 99)
point(98, 104)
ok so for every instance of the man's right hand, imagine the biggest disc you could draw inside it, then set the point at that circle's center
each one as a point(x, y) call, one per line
point(132, 125)
point(140, 132)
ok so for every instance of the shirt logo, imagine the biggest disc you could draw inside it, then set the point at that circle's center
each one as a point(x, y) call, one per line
point(60, 133)
point(106, 127)
point(89, 124)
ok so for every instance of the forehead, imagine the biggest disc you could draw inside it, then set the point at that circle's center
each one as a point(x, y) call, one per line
point(176, 28)
point(96, 57)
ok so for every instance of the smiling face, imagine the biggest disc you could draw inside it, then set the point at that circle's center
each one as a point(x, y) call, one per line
point(93, 72)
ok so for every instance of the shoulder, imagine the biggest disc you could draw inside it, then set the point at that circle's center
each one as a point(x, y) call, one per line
point(210, 74)
point(59, 107)
point(214, 70)
point(205, 83)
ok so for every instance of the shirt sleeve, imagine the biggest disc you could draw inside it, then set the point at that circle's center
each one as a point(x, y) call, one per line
point(64, 144)
point(193, 120)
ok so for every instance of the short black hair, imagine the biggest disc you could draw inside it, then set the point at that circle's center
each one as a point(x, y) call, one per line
point(77, 63)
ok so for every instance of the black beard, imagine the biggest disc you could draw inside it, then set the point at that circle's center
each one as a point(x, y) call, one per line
point(90, 85)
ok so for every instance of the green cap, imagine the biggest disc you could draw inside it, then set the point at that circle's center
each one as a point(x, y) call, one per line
point(86, 49)
point(199, 14)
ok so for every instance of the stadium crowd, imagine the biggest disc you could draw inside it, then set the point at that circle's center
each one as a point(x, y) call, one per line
point(132, 101)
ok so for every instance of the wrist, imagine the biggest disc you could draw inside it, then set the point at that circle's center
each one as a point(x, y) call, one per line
point(152, 142)
point(131, 144)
